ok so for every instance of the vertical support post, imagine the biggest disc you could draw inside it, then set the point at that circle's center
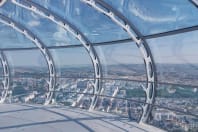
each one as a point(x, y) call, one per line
point(6, 77)
point(28, 34)
point(124, 23)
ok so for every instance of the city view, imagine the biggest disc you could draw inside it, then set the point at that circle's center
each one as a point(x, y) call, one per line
point(73, 88)
point(99, 65)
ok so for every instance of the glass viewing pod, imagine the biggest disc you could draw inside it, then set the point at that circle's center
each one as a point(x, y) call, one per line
point(136, 59)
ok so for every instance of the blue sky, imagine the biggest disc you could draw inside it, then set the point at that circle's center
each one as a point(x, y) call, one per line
point(146, 15)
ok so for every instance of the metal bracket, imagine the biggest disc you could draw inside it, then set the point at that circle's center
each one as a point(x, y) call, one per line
point(28, 34)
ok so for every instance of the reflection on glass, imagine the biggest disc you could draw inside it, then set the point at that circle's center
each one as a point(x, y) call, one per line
point(79, 92)
point(94, 25)
point(152, 17)
point(13, 39)
point(69, 92)
point(28, 90)
point(121, 90)
point(49, 32)
point(130, 110)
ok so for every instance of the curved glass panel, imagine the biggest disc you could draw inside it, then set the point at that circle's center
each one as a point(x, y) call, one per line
point(176, 58)
point(50, 33)
point(176, 63)
point(122, 61)
point(124, 79)
point(27, 63)
point(70, 92)
point(28, 90)
point(29, 75)
point(72, 63)
point(120, 91)
point(74, 71)
point(13, 39)
point(94, 25)
point(153, 16)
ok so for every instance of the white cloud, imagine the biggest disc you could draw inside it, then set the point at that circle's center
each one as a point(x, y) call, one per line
point(33, 23)
point(60, 34)
point(144, 15)
point(64, 37)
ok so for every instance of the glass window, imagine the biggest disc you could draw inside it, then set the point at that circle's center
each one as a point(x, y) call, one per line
point(176, 58)
point(10, 38)
point(70, 89)
point(94, 25)
point(27, 63)
point(29, 76)
point(120, 91)
point(122, 61)
point(29, 89)
point(73, 62)
point(155, 16)
point(50, 33)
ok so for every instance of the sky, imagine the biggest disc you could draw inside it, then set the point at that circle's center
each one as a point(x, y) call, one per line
point(176, 49)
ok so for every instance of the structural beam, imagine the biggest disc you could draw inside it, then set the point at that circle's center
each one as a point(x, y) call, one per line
point(6, 77)
point(194, 2)
point(2, 2)
point(31, 6)
point(136, 36)
point(151, 36)
point(28, 34)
